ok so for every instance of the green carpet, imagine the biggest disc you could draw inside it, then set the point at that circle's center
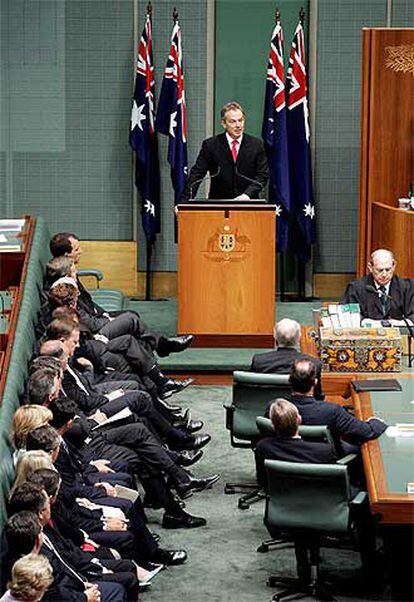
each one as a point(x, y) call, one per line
point(162, 316)
point(223, 564)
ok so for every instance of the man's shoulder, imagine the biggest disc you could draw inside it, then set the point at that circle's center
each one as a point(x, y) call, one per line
point(252, 140)
point(274, 360)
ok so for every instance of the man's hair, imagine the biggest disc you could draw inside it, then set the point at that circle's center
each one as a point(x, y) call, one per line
point(30, 578)
point(21, 531)
point(60, 329)
point(230, 106)
point(377, 252)
point(58, 267)
point(50, 362)
point(52, 349)
point(60, 243)
point(40, 385)
point(287, 333)
point(66, 313)
point(285, 418)
point(44, 437)
point(63, 410)
point(25, 419)
point(27, 496)
point(47, 478)
point(62, 294)
point(302, 375)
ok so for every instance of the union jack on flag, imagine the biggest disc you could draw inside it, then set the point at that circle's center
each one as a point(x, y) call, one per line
point(172, 114)
point(274, 135)
point(301, 191)
point(143, 138)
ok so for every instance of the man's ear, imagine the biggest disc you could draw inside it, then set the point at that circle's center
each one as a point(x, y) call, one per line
point(299, 419)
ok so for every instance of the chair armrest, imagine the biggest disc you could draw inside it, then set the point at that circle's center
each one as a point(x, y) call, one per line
point(265, 426)
point(98, 274)
point(347, 459)
point(229, 416)
point(359, 499)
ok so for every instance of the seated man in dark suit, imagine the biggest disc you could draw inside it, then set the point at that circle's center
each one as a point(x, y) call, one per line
point(341, 423)
point(279, 361)
point(236, 161)
point(381, 294)
point(286, 444)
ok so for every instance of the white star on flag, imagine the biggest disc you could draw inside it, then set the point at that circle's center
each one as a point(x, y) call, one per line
point(309, 210)
point(173, 123)
point(137, 116)
point(278, 210)
point(271, 121)
point(149, 207)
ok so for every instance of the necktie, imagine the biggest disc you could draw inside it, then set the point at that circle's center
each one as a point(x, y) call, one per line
point(234, 146)
point(383, 299)
point(72, 571)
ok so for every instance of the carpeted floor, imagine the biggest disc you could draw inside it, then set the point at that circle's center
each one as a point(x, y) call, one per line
point(223, 564)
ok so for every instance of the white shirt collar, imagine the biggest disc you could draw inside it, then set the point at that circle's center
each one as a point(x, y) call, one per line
point(387, 287)
point(230, 140)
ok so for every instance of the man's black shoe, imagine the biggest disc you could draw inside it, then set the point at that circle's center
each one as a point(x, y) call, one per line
point(196, 441)
point(177, 344)
point(187, 489)
point(169, 557)
point(182, 521)
point(187, 458)
point(173, 386)
point(174, 409)
point(181, 420)
point(194, 425)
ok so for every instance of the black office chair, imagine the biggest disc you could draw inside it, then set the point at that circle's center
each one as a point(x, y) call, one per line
point(314, 505)
point(252, 393)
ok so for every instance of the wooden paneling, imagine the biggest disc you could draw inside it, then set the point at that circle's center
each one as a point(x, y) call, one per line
point(387, 129)
point(226, 290)
point(331, 286)
point(118, 261)
point(393, 228)
point(163, 285)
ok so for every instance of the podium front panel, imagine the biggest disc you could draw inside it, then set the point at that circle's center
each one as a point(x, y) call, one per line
point(226, 282)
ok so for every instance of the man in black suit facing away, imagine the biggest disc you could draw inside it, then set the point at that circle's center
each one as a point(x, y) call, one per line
point(279, 361)
point(382, 295)
point(236, 161)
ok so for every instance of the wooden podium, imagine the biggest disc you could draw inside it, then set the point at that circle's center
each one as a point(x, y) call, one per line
point(387, 146)
point(226, 273)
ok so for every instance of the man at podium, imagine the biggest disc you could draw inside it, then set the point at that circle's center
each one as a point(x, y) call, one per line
point(236, 161)
point(381, 294)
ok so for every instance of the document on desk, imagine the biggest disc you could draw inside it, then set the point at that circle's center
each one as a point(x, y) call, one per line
point(400, 430)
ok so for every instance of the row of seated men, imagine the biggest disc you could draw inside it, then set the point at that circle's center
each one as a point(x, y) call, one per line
point(94, 419)
point(306, 405)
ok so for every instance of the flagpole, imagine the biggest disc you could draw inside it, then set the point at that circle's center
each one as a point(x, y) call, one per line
point(149, 244)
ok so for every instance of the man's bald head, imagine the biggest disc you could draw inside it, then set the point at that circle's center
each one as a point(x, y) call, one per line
point(287, 333)
point(302, 377)
point(382, 266)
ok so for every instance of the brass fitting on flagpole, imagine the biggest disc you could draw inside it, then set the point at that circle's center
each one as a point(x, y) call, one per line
point(302, 15)
point(277, 15)
point(149, 8)
point(175, 14)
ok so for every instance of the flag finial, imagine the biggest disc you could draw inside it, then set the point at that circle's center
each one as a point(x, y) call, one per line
point(301, 15)
point(277, 15)
point(175, 14)
point(149, 8)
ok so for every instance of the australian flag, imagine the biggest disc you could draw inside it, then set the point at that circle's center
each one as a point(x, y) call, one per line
point(274, 135)
point(172, 114)
point(143, 138)
point(300, 172)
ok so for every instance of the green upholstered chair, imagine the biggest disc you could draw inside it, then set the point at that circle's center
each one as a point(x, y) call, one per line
point(252, 393)
point(109, 299)
point(315, 506)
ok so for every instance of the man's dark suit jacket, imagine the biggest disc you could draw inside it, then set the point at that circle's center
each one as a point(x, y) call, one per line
point(291, 450)
point(215, 156)
point(279, 361)
point(401, 300)
point(339, 421)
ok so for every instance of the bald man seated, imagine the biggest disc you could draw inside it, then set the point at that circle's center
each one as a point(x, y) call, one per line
point(279, 361)
point(381, 294)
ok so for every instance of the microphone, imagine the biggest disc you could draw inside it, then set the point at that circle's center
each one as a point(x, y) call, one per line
point(251, 180)
point(197, 182)
point(372, 289)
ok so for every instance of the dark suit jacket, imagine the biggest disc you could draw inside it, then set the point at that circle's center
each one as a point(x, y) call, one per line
point(215, 155)
point(279, 361)
point(401, 302)
point(339, 421)
point(291, 450)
